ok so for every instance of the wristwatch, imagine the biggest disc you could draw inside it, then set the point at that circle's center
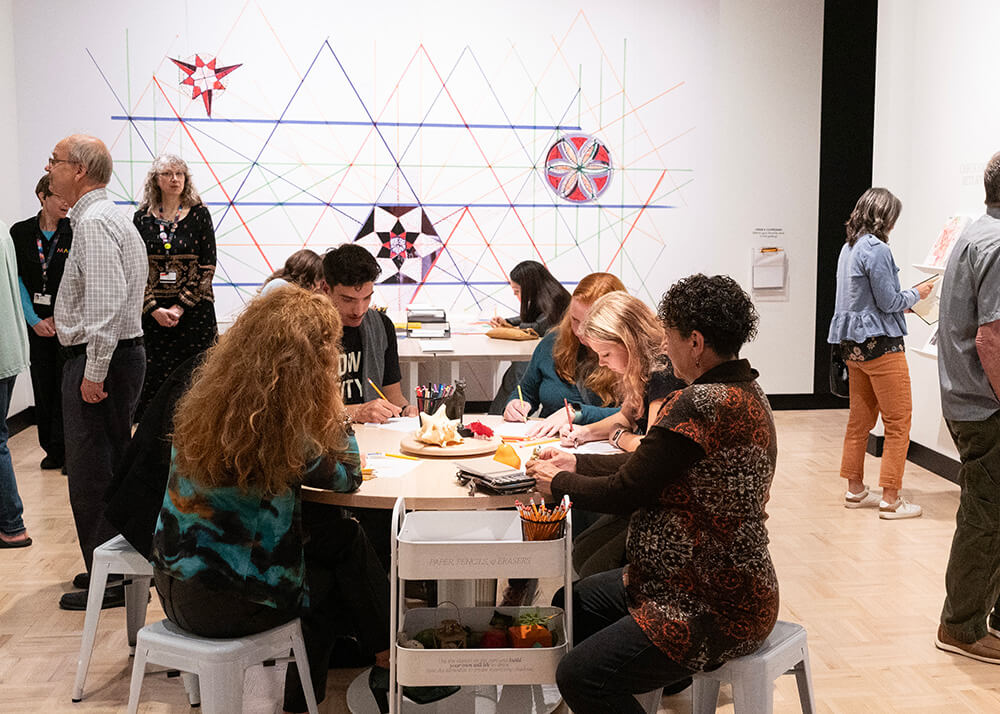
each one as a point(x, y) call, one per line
point(616, 435)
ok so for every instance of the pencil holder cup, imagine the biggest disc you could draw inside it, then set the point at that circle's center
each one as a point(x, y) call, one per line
point(542, 530)
point(429, 405)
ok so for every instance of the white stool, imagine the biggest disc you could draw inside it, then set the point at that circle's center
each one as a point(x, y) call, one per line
point(118, 557)
point(219, 664)
point(784, 652)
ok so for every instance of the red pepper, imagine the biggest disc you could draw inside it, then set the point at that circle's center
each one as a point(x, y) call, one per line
point(494, 639)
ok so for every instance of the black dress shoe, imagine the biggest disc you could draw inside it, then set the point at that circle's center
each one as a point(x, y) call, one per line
point(81, 581)
point(114, 596)
point(50, 462)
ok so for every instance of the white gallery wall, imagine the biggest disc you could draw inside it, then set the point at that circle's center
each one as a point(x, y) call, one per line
point(936, 118)
point(710, 112)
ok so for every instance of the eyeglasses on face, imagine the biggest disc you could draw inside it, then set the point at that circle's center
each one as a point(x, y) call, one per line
point(170, 174)
point(53, 161)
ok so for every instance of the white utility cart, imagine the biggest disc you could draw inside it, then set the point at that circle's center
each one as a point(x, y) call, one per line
point(475, 545)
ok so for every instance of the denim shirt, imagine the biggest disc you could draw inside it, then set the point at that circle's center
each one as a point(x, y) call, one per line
point(869, 299)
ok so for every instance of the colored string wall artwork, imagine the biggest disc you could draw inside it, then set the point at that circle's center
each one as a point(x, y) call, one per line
point(450, 170)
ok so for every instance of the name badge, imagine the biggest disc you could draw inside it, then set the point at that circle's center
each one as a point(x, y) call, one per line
point(169, 277)
point(42, 299)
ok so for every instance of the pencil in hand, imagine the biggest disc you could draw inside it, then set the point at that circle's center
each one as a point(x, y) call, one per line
point(377, 390)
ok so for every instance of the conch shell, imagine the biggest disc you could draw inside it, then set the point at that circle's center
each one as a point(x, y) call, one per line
point(438, 429)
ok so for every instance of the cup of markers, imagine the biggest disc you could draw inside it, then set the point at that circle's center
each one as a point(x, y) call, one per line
point(431, 396)
point(542, 523)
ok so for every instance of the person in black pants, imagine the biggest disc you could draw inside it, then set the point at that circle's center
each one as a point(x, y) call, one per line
point(41, 244)
point(99, 325)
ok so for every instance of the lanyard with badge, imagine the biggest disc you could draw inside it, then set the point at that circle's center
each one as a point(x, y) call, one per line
point(45, 297)
point(168, 277)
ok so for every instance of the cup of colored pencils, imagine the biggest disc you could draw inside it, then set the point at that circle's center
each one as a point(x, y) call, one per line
point(432, 396)
point(541, 522)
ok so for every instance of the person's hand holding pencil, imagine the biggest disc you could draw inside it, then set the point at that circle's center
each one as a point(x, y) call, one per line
point(377, 411)
point(517, 409)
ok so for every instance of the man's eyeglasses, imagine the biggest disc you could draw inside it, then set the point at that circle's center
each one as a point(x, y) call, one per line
point(53, 161)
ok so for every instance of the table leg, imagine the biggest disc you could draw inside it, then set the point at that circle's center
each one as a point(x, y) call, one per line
point(414, 366)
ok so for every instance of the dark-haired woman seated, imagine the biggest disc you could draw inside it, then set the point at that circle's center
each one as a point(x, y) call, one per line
point(543, 299)
point(235, 552)
point(699, 587)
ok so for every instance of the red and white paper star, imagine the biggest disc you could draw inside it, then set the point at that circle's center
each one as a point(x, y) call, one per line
point(204, 77)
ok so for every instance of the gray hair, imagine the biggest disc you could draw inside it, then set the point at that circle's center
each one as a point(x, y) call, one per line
point(91, 153)
point(991, 179)
point(151, 193)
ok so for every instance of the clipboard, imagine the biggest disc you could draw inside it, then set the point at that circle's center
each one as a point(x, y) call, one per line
point(927, 308)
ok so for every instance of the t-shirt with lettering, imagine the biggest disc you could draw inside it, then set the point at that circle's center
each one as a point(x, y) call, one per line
point(351, 376)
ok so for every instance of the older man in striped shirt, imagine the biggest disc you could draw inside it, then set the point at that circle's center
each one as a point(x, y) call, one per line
point(98, 322)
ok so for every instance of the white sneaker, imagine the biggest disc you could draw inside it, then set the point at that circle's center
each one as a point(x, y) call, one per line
point(899, 509)
point(865, 499)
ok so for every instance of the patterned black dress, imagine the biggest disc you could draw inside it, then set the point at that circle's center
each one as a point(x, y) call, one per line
point(179, 275)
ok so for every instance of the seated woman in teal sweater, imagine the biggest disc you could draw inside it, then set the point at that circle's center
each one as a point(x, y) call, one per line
point(564, 369)
point(235, 551)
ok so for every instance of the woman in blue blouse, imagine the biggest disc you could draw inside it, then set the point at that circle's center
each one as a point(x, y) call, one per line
point(868, 325)
point(563, 369)
point(234, 552)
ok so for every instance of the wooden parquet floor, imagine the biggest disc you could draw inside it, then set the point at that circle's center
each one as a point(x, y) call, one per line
point(868, 592)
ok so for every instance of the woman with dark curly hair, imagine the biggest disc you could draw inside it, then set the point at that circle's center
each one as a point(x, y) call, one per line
point(699, 587)
point(178, 310)
point(868, 325)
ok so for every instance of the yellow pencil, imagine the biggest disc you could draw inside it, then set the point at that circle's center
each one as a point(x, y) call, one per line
point(376, 388)
point(520, 398)
point(403, 456)
point(537, 443)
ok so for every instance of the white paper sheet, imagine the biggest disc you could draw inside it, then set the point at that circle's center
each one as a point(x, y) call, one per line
point(403, 424)
point(591, 447)
point(513, 428)
point(436, 345)
point(388, 466)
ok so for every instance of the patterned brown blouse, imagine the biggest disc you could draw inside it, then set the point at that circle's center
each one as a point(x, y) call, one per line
point(190, 261)
point(699, 579)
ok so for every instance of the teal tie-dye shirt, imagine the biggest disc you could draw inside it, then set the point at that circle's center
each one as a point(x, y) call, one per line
point(235, 540)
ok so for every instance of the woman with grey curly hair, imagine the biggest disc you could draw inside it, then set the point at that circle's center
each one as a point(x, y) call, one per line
point(699, 587)
point(178, 312)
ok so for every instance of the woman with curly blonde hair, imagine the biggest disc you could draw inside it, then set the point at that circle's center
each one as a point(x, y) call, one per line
point(234, 551)
point(563, 369)
point(178, 311)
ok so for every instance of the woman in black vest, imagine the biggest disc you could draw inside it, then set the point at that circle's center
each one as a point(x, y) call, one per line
point(42, 244)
